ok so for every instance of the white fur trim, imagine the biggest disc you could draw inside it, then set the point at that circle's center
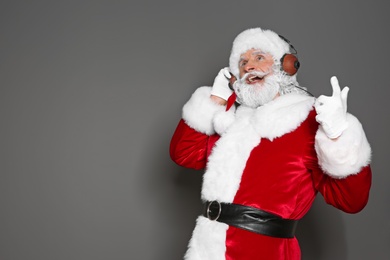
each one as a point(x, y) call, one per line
point(256, 38)
point(282, 115)
point(223, 119)
point(199, 111)
point(208, 241)
point(228, 158)
point(346, 155)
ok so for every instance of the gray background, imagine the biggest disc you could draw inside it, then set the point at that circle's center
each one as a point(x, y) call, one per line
point(91, 92)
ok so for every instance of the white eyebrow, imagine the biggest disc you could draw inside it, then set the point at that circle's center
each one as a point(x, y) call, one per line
point(241, 59)
point(258, 52)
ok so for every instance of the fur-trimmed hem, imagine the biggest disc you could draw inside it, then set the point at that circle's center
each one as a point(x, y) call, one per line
point(348, 154)
point(199, 111)
point(207, 241)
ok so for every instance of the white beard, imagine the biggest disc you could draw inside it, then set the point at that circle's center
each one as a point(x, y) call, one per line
point(255, 95)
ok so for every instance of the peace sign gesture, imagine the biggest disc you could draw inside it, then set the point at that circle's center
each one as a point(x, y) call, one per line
point(332, 111)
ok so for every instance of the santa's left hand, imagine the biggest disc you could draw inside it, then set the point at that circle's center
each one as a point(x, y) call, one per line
point(332, 111)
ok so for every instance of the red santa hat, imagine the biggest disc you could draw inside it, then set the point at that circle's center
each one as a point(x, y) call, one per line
point(257, 38)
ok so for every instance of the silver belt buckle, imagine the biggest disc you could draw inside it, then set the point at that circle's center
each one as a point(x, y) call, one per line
point(208, 211)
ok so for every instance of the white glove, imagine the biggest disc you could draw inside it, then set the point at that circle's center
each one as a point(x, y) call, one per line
point(221, 84)
point(332, 111)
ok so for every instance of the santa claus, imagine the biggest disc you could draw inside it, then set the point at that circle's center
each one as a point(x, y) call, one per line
point(268, 148)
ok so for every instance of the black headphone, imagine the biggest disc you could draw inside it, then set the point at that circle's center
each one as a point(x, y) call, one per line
point(289, 62)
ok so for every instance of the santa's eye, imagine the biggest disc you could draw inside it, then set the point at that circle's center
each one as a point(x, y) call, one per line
point(243, 63)
point(260, 57)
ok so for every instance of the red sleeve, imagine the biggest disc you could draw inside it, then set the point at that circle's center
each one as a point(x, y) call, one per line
point(190, 148)
point(349, 194)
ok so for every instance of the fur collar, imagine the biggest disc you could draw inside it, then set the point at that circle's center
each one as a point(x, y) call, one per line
point(276, 118)
point(282, 115)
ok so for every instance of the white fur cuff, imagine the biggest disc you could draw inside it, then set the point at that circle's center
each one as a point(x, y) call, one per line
point(348, 154)
point(223, 119)
point(199, 111)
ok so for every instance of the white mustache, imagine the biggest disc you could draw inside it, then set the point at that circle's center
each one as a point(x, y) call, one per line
point(259, 74)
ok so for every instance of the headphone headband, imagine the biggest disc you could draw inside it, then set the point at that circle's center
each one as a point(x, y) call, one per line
point(289, 43)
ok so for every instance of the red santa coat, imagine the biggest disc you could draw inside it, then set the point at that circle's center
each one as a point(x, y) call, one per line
point(275, 158)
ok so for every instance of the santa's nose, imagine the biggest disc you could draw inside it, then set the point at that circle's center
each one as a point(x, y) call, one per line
point(249, 67)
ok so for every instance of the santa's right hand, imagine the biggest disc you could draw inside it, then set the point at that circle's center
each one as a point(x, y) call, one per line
point(221, 84)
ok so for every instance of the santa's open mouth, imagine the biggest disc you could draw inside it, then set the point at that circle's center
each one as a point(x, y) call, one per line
point(253, 79)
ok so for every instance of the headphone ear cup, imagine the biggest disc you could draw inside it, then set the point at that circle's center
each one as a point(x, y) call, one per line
point(290, 64)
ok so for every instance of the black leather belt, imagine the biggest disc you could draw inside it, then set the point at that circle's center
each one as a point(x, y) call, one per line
point(250, 219)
